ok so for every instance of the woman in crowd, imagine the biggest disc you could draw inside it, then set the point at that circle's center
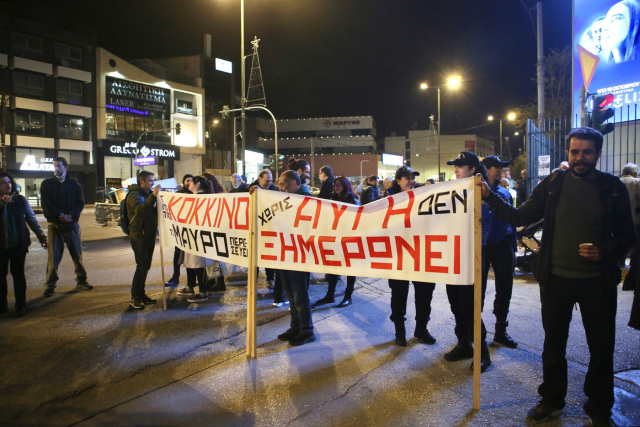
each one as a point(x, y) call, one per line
point(177, 253)
point(405, 180)
point(196, 264)
point(15, 214)
point(342, 192)
point(216, 188)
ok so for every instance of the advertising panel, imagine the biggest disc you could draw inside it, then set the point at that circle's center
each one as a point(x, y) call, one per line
point(605, 53)
point(136, 98)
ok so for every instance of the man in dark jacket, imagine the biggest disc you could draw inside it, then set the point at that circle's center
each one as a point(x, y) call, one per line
point(265, 182)
point(238, 185)
point(296, 283)
point(326, 177)
point(15, 214)
point(62, 203)
point(143, 225)
point(370, 191)
point(587, 228)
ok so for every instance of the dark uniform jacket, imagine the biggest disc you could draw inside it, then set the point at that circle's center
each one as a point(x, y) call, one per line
point(618, 231)
point(62, 197)
point(143, 215)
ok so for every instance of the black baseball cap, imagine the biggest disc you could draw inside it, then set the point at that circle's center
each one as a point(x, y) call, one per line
point(373, 177)
point(466, 158)
point(494, 161)
point(405, 171)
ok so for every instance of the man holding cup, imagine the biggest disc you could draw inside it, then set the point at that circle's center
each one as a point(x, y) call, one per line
point(587, 229)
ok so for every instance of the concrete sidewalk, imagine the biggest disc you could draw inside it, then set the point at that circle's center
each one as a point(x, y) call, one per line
point(87, 358)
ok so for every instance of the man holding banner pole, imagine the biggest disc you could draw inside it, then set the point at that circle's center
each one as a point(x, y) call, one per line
point(296, 283)
point(587, 228)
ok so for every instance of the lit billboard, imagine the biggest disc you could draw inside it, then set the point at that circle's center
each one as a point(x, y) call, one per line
point(605, 53)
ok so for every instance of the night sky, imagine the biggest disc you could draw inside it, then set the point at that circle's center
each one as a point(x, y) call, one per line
point(351, 57)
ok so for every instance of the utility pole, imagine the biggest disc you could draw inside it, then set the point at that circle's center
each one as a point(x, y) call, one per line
point(540, 67)
point(4, 101)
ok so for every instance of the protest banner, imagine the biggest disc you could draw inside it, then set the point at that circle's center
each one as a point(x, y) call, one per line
point(428, 234)
point(424, 234)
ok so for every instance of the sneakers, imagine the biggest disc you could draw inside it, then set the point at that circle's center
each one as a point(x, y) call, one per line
point(302, 338)
point(280, 304)
point(173, 282)
point(459, 352)
point(146, 300)
point(186, 291)
point(48, 293)
point(136, 303)
point(83, 287)
point(271, 284)
point(199, 297)
point(543, 412)
point(504, 339)
point(286, 336)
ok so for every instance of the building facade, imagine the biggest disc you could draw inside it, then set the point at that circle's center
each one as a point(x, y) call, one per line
point(420, 151)
point(145, 123)
point(46, 70)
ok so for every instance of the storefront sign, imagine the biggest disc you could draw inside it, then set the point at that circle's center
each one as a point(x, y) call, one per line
point(224, 66)
point(30, 164)
point(136, 98)
point(145, 161)
point(113, 182)
point(130, 149)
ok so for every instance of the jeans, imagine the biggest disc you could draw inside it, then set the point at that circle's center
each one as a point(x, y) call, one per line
point(597, 303)
point(399, 295)
point(13, 258)
point(296, 289)
point(272, 274)
point(143, 251)
point(57, 239)
point(176, 264)
point(500, 256)
point(462, 306)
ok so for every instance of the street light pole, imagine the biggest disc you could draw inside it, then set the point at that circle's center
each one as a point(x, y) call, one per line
point(438, 141)
point(500, 138)
point(243, 100)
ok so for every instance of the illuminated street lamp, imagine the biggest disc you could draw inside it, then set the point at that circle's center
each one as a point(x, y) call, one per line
point(453, 82)
point(511, 117)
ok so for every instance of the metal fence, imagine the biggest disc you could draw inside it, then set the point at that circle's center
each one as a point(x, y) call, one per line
point(548, 139)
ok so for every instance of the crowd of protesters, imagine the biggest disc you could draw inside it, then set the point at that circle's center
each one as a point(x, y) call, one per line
point(591, 222)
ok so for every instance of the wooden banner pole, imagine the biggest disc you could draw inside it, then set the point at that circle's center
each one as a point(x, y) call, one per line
point(477, 289)
point(164, 291)
point(252, 289)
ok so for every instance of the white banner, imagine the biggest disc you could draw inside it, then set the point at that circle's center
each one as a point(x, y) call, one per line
point(210, 225)
point(425, 234)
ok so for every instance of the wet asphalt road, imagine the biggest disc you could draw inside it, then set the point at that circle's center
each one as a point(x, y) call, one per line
point(87, 358)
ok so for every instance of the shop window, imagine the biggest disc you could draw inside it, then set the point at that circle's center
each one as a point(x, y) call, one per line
point(26, 46)
point(68, 56)
point(70, 127)
point(69, 91)
point(29, 123)
point(28, 84)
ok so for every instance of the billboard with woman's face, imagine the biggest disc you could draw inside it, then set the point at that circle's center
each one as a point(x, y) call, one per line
point(608, 31)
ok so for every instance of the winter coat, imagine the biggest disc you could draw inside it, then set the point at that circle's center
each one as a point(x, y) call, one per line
point(618, 232)
point(142, 212)
point(22, 215)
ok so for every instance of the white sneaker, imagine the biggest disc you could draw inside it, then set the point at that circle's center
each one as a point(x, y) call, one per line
point(278, 304)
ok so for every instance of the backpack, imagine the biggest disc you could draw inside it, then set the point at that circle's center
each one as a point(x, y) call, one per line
point(124, 216)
